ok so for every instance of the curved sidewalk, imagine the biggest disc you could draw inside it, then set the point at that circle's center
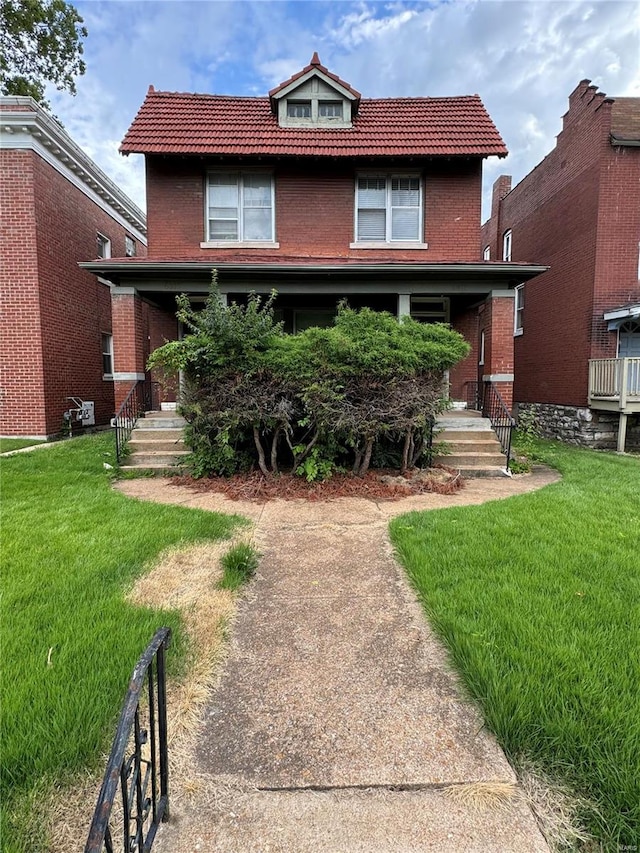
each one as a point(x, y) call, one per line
point(337, 725)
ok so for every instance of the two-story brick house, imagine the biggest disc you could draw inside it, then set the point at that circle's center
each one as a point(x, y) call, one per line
point(321, 194)
point(577, 326)
point(58, 208)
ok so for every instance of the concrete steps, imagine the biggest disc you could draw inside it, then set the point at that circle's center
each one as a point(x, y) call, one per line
point(472, 445)
point(156, 443)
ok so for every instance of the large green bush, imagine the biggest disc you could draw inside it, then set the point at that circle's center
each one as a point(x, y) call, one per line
point(315, 401)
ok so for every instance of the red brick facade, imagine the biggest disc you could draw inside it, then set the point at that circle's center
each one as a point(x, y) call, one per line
point(315, 259)
point(53, 313)
point(578, 211)
point(314, 210)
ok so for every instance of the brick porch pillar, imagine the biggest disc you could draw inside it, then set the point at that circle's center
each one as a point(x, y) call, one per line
point(128, 341)
point(497, 322)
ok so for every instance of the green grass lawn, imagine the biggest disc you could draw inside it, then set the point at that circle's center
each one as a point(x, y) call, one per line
point(7, 444)
point(71, 547)
point(538, 601)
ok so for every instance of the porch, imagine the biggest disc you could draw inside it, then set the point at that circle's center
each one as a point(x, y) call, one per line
point(614, 386)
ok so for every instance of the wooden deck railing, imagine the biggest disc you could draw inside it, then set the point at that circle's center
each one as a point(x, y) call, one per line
point(615, 379)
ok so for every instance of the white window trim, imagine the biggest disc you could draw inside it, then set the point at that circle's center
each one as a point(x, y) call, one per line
point(107, 244)
point(109, 335)
point(129, 240)
point(389, 244)
point(486, 253)
point(507, 245)
point(518, 306)
point(481, 348)
point(246, 244)
point(386, 244)
point(235, 244)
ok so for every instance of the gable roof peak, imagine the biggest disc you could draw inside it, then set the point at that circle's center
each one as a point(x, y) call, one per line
point(315, 68)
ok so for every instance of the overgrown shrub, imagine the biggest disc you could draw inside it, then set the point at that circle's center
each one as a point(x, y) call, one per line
point(316, 402)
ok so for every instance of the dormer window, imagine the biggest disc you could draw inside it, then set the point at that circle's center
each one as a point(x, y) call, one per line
point(330, 109)
point(314, 97)
point(298, 109)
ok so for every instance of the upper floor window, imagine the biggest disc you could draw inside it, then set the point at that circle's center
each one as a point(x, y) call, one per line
point(330, 109)
point(388, 208)
point(240, 207)
point(299, 109)
point(518, 310)
point(486, 254)
point(103, 246)
point(506, 246)
point(130, 249)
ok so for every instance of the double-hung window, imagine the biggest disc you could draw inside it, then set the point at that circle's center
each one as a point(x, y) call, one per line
point(388, 208)
point(240, 207)
point(506, 245)
point(518, 312)
point(107, 355)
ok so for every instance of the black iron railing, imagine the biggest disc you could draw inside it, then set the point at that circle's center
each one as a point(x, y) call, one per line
point(138, 765)
point(473, 396)
point(494, 408)
point(140, 399)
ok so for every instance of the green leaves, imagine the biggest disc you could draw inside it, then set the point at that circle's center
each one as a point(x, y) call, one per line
point(40, 43)
point(316, 393)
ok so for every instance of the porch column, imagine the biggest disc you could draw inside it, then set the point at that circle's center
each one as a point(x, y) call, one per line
point(404, 305)
point(498, 342)
point(128, 341)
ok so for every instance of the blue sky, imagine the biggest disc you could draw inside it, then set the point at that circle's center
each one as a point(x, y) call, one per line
point(522, 58)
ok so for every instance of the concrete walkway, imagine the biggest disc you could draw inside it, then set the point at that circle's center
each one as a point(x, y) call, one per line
point(337, 725)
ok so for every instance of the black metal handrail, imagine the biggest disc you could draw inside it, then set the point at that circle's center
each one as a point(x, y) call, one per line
point(143, 780)
point(139, 400)
point(494, 408)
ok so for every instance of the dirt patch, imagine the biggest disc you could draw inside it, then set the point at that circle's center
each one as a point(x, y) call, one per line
point(375, 485)
point(184, 579)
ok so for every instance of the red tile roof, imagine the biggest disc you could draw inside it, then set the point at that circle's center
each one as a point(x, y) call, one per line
point(176, 123)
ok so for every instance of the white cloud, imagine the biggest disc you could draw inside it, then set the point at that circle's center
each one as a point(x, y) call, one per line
point(523, 58)
point(363, 25)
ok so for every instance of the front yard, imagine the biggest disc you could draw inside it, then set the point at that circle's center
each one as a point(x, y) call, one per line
point(71, 546)
point(538, 601)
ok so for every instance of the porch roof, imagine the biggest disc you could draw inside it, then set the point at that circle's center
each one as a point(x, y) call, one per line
point(319, 275)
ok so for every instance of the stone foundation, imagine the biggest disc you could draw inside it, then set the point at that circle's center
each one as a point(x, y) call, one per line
point(582, 426)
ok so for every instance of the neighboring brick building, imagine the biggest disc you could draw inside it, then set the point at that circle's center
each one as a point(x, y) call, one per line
point(320, 194)
point(58, 208)
point(578, 211)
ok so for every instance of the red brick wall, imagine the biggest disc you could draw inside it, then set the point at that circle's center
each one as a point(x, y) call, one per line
point(467, 370)
point(616, 281)
point(575, 213)
point(56, 313)
point(315, 211)
point(138, 329)
point(22, 410)
point(496, 320)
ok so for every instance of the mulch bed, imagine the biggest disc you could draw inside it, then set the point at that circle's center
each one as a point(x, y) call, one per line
point(378, 485)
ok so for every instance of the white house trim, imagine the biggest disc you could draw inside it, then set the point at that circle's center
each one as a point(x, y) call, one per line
point(30, 128)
